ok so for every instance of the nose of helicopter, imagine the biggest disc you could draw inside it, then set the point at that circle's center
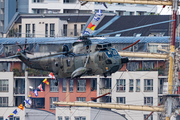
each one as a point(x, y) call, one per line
point(124, 60)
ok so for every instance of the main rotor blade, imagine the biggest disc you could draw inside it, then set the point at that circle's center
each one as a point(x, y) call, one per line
point(137, 27)
point(106, 25)
point(87, 23)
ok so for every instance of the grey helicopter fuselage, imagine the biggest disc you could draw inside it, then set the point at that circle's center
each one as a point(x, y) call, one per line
point(82, 59)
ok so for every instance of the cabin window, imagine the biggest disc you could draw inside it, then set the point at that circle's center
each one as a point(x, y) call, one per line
point(71, 84)
point(68, 63)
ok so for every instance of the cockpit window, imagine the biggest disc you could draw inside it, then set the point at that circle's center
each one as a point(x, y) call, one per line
point(108, 53)
point(114, 52)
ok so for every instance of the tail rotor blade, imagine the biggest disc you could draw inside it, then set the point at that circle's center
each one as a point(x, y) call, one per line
point(25, 44)
point(19, 45)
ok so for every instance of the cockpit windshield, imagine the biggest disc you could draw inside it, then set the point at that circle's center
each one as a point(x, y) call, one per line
point(108, 53)
point(114, 52)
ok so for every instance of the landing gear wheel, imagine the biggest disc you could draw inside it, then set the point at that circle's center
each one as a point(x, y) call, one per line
point(56, 83)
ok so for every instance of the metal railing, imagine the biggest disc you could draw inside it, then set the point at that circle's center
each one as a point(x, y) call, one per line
point(19, 90)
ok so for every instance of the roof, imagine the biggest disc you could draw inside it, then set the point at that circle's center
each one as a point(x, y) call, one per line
point(126, 22)
point(62, 40)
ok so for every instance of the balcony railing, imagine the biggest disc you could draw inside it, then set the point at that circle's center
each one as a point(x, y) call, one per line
point(2, 4)
point(19, 90)
point(104, 90)
point(2, 16)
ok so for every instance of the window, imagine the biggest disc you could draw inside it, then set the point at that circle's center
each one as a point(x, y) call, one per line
point(131, 85)
point(64, 85)
point(81, 86)
point(28, 30)
point(52, 29)
point(68, 63)
point(81, 99)
point(121, 85)
point(148, 100)
point(3, 101)
point(149, 118)
point(75, 30)
point(148, 85)
point(80, 118)
point(59, 118)
point(121, 100)
point(33, 30)
point(20, 29)
point(46, 30)
point(137, 85)
point(65, 30)
point(66, 117)
point(4, 85)
point(93, 84)
point(71, 84)
point(53, 87)
point(52, 99)
point(148, 65)
point(132, 66)
point(82, 26)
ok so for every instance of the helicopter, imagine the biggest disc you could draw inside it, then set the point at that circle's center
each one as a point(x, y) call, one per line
point(85, 57)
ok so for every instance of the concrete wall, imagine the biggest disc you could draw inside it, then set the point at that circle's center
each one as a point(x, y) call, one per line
point(40, 26)
point(6, 111)
point(9, 76)
point(136, 98)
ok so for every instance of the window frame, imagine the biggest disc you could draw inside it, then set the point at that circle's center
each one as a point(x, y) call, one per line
point(51, 102)
point(4, 101)
point(52, 30)
point(53, 87)
point(119, 99)
point(64, 85)
point(131, 85)
point(28, 30)
point(121, 88)
point(148, 88)
point(81, 87)
point(4, 87)
point(71, 85)
point(138, 86)
point(83, 99)
point(148, 100)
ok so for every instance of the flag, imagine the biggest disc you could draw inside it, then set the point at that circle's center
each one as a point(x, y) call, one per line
point(51, 75)
point(30, 96)
point(96, 18)
point(40, 87)
point(21, 106)
point(11, 115)
point(91, 26)
point(86, 32)
point(35, 92)
point(27, 101)
point(15, 112)
point(45, 81)
point(104, 4)
point(99, 12)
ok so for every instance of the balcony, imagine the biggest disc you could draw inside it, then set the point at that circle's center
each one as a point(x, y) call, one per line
point(2, 16)
point(104, 90)
point(2, 4)
point(1, 28)
point(19, 90)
